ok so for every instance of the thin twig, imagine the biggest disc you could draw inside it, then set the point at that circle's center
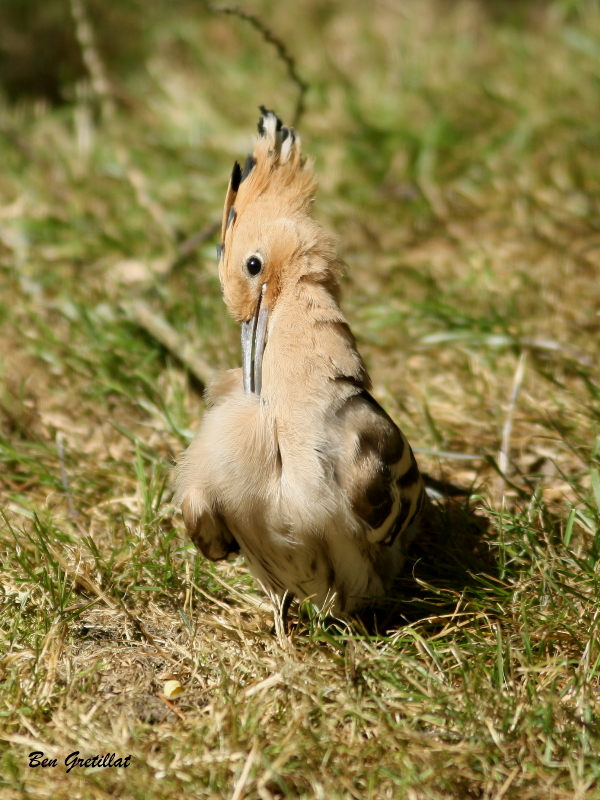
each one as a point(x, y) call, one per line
point(241, 781)
point(187, 247)
point(273, 680)
point(501, 340)
point(449, 454)
point(91, 57)
point(139, 184)
point(282, 52)
point(507, 783)
point(27, 741)
point(438, 489)
point(159, 329)
point(571, 352)
point(504, 454)
point(171, 706)
point(63, 474)
point(105, 95)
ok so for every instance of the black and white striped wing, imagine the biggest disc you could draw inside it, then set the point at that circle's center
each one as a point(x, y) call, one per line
point(376, 469)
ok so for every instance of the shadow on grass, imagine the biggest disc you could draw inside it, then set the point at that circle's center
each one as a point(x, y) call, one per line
point(451, 557)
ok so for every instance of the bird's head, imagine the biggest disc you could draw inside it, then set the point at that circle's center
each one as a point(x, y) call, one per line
point(269, 239)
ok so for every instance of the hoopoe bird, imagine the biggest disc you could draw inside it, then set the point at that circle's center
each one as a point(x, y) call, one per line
point(295, 463)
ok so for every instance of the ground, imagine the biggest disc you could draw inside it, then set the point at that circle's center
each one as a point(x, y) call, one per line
point(457, 145)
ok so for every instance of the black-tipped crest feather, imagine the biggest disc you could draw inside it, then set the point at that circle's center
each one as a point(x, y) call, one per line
point(266, 113)
point(234, 185)
point(248, 167)
point(236, 177)
point(275, 166)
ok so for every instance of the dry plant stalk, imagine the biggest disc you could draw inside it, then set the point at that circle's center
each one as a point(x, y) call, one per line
point(159, 329)
point(282, 52)
point(103, 91)
point(91, 57)
point(504, 454)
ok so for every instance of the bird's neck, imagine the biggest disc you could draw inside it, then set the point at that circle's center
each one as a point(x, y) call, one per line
point(309, 344)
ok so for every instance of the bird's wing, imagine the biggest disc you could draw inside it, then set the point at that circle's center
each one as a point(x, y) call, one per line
point(193, 490)
point(376, 469)
point(206, 528)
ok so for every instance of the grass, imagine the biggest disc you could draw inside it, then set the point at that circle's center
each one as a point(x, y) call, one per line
point(458, 155)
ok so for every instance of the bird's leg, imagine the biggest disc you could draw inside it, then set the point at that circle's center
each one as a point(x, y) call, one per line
point(285, 607)
point(281, 611)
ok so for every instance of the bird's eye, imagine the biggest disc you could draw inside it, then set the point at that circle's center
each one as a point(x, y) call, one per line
point(254, 265)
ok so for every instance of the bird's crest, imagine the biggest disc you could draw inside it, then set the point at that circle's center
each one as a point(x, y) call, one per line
point(274, 171)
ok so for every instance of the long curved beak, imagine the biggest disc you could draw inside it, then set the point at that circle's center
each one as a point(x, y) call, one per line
point(254, 339)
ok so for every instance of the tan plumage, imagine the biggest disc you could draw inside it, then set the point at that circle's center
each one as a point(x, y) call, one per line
point(295, 462)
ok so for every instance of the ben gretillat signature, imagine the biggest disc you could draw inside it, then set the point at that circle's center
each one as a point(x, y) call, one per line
point(36, 759)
